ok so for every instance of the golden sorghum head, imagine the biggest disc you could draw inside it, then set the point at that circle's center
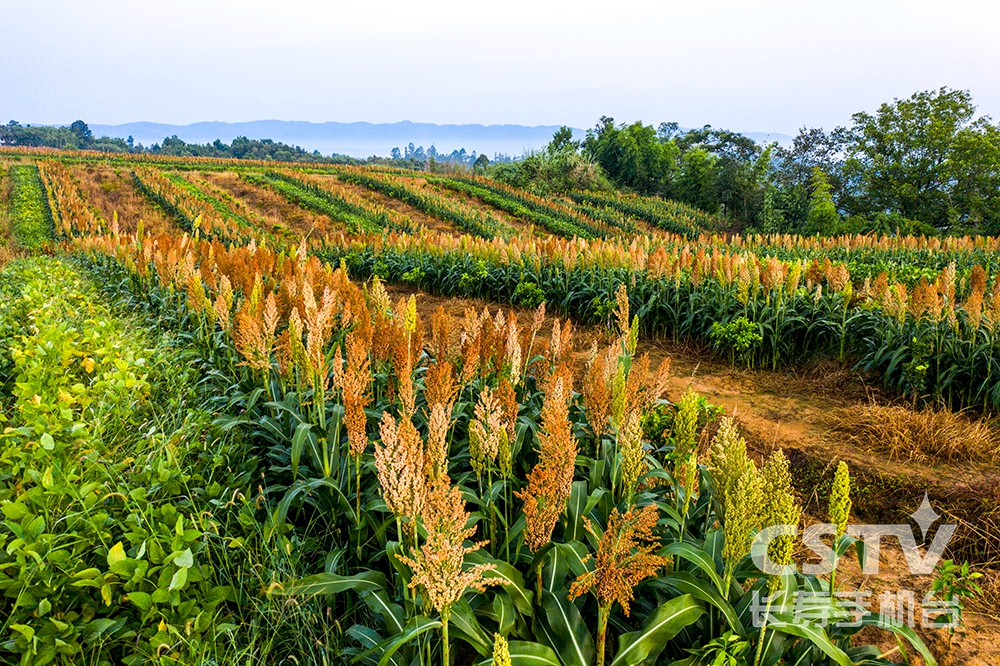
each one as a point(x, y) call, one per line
point(743, 504)
point(501, 651)
point(538, 319)
point(551, 480)
point(625, 557)
point(597, 393)
point(378, 298)
point(438, 565)
point(485, 431)
point(840, 499)
point(513, 350)
point(356, 387)
point(632, 453)
point(437, 442)
point(622, 311)
point(685, 426)
point(439, 384)
point(399, 462)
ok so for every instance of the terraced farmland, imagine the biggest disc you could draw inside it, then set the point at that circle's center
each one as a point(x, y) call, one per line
point(345, 414)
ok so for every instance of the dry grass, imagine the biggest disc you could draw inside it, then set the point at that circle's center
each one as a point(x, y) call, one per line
point(270, 205)
point(937, 435)
point(111, 191)
point(829, 378)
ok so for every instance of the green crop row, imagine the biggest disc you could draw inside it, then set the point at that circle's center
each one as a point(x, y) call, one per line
point(560, 227)
point(28, 209)
point(666, 215)
point(357, 220)
point(549, 214)
point(466, 218)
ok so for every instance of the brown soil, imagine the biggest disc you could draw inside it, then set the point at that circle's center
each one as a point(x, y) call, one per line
point(789, 410)
point(113, 191)
point(271, 205)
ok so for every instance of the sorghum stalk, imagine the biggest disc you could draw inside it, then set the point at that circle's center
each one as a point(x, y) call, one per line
point(603, 612)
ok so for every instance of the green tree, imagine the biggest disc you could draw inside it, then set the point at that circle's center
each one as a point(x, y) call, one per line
point(562, 140)
point(80, 130)
point(823, 216)
point(633, 156)
point(696, 182)
point(927, 158)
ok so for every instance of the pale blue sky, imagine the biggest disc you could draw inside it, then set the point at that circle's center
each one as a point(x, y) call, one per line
point(771, 65)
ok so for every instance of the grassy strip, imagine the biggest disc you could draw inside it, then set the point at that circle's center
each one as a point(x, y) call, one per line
point(312, 198)
point(501, 201)
point(29, 212)
point(381, 218)
point(218, 206)
point(124, 510)
point(476, 223)
point(99, 528)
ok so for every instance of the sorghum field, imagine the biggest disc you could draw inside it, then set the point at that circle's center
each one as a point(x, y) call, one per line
point(260, 414)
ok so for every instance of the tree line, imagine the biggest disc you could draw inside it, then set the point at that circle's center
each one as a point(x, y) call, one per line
point(926, 164)
point(78, 136)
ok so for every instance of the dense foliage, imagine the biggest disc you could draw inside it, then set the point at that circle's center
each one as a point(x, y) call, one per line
point(922, 164)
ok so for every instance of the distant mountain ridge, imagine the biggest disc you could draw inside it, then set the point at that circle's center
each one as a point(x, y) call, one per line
point(361, 139)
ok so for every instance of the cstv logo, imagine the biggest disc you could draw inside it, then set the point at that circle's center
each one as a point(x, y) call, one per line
point(870, 535)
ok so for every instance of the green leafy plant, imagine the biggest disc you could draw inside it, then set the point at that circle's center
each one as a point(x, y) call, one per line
point(736, 337)
point(528, 294)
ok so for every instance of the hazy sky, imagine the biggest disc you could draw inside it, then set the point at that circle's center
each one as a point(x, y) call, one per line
point(749, 65)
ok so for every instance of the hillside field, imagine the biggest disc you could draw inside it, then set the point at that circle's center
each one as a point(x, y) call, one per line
point(260, 413)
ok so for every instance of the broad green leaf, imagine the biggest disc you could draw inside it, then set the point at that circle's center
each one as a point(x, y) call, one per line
point(116, 554)
point(302, 433)
point(813, 633)
point(899, 629)
point(572, 640)
point(329, 583)
point(503, 608)
point(185, 559)
point(466, 626)
point(379, 603)
point(142, 600)
point(699, 558)
point(659, 628)
point(513, 581)
point(683, 582)
point(415, 627)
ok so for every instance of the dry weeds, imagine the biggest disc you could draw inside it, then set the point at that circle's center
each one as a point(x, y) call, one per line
point(936, 435)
